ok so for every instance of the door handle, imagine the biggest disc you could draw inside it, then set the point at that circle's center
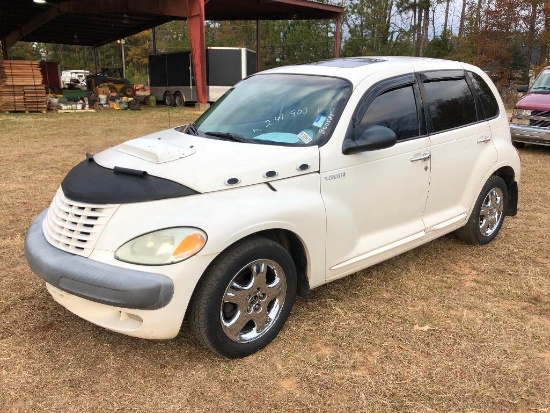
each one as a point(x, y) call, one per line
point(423, 157)
point(484, 139)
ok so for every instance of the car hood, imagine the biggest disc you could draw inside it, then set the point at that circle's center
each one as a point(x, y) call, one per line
point(535, 101)
point(208, 165)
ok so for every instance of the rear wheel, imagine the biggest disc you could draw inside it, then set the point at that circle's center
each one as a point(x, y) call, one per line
point(168, 99)
point(244, 299)
point(518, 144)
point(488, 214)
point(178, 99)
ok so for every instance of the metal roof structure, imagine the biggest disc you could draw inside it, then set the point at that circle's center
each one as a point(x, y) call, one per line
point(98, 22)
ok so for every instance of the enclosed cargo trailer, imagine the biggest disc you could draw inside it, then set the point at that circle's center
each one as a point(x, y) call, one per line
point(171, 74)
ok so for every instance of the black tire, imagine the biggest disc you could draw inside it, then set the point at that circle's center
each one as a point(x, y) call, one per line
point(168, 99)
point(518, 145)
point(178, 99)
point(264, 300)
point(488, 213)
point(129, 91)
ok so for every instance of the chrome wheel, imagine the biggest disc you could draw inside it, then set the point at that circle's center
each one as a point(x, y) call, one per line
point(253, 300)
point(244, 298)
point(488, 213)
point(491, 211)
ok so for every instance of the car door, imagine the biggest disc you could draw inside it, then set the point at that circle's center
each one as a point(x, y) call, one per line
point(375, 199)
point(461, 146)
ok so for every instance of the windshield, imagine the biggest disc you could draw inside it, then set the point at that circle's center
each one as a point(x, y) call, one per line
point(542, 84)
point(282, 109)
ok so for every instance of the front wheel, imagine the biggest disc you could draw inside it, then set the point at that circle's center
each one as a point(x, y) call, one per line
point(168, 99)
point(129, 91)
point(488, 214)
point(244, 299)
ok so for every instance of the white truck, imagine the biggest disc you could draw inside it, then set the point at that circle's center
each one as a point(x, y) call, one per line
point(75, 78)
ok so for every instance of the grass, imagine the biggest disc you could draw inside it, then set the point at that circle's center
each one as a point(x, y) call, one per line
point(444, 328)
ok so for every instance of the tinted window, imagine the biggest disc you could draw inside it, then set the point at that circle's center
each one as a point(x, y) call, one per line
point(451, 104)
point(396, 110)
point(488, 100)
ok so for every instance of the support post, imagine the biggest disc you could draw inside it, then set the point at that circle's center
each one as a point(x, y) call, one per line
point(195, 24)
point(4, 50)
point(258, 45)
point(94, 59)
point(154, 39)
point(338, 37)
point(122, 57)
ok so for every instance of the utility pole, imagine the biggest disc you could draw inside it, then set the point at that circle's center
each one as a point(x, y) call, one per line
point(121, 43)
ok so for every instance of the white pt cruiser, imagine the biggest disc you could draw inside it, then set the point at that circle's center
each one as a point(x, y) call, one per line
point(296, 177)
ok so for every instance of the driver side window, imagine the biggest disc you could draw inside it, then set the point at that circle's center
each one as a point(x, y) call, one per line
point(396, 110)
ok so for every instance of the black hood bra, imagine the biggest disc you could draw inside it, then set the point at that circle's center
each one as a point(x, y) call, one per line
point(91, 183)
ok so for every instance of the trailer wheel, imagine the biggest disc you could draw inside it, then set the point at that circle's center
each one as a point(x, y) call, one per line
point(168, 99)
point(178, 99)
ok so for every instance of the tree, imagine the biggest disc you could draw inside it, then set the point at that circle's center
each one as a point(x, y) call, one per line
point(497, 43)
point(369, 26)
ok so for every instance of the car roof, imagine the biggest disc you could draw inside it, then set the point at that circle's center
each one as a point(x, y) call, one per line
point(355, 69)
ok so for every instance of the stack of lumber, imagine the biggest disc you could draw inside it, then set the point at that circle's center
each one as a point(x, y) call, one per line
point(21, 87)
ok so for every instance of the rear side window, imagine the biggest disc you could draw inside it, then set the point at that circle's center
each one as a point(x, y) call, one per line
point(488, 100)
point(450, 103)
point(396, 110)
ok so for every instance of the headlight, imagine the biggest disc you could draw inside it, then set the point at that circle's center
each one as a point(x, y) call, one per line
point(521, 121)
point(166, 246)
point(522, 112)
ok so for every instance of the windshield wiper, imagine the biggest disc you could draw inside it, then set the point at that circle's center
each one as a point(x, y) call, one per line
point(191, 128)
point(541, 88)
point(230, 136)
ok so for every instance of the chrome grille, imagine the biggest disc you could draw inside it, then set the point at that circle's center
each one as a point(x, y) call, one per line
point(540, 118)
point(75, 226)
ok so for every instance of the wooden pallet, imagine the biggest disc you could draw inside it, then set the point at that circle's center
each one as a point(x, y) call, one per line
point(21, 87)
point(75, 110)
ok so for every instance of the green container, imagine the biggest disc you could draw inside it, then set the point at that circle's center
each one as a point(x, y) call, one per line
point(152, 101)
point(74, 95)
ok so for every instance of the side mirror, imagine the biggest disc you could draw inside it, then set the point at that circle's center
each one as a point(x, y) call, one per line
point(373, 138)
point(522, 88)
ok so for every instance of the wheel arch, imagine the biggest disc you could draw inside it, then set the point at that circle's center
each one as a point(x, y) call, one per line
point(508, 175)
point(296, 248)
point(292, 243)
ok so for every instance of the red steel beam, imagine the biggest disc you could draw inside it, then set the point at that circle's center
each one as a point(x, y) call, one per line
point(337, 10)
point(195, 25)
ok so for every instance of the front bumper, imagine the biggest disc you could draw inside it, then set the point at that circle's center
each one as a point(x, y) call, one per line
point(530, 134)
point(92, 280)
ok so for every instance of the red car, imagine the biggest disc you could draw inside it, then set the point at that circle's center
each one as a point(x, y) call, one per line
point(531, 117)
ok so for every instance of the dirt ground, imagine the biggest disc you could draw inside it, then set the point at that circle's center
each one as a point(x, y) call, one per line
point(444, 328)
